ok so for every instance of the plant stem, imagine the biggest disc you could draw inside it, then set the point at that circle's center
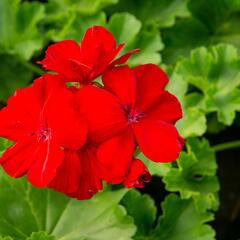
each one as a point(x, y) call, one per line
point(226, 146)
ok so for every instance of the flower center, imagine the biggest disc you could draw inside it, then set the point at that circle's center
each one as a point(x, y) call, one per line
point(134, 116)
point(145, 178)
point(43, 134)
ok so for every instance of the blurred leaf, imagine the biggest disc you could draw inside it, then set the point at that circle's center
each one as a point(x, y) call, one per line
point(181, 221)
point(18, 27)
point(84, 7)
point(158, 169)
point(212, 22)
point(147, 39)
point(74, 26)
point(40, 236)
point(195, 175)
point(6, 238)
point(142, 208)
point(13, 75)
point(69, 19)
point(216, 74)
point(25, 209)
point(149, 42)
point(4, 144)
point(213, 125)
point(120, 24)
point(162, 13)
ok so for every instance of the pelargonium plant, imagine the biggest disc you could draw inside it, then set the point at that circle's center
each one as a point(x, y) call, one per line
point(82, 123)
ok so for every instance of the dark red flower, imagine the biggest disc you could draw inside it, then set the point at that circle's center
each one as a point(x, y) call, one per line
point(133, 109)
point(78, 175)
point(41, 120)
point(83, 63)
point(138, 175)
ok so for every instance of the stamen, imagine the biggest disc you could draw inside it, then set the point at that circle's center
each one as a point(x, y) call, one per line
point(134, 116)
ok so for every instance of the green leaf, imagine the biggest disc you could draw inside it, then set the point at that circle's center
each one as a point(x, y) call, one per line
point(212, 22)
point(25, 209)
point(84, 7)
point(4, 144)
point(74, 26)
point(142, 208)
point(181, 221)
point(40, 236)
point(162, 13)
point(119, 25)
point(146, 38)
point(5, 238)
point(194, 121)
point(18, 28)
point(215, 73)
point(158, 169)
point(195, 175)
point(13, 75)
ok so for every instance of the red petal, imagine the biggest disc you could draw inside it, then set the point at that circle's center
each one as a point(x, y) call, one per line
point(59, 57)
point(58, 111)
point(24, 111)
point(69, 129)
point(124, 58)
point(138, 175)
point(17, 159)
point(90, 182)
point(68, 174)
point(103, 112)
point(115, 156)
point(48, 158)
point(159, 141)
point(98, 49)
point(151, 81)
point(18, 119)
point(121, 82)
point(166, 108)
point(78, 176)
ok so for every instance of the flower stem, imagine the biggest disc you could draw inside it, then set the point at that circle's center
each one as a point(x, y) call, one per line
point(226, 146)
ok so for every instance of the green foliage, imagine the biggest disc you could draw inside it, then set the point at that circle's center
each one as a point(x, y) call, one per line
point(25, 209)
point(194, 122)
point(84, 7)
point(18, 28)
point(183, 221)
point(195, 175)
point(13, 75)
point(40, 236)
point(211, 22)
point(144, 218)
point(147, 39)
point(4, 144)
point(162, 13)
point(209, 71)
point(158, 169)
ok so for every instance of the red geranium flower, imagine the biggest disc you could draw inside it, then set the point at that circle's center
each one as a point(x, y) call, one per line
point(78, 175)
point(41, 120)
point(83, 63)
point(133, 108)
point(137, 176)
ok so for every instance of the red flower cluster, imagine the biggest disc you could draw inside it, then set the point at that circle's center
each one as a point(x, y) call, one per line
point(73, 138)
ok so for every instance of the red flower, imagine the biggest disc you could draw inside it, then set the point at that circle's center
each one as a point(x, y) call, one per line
point(78, 176)
point(42, 120)
point(134, 109)
point(83, 63)
point(137, 176)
